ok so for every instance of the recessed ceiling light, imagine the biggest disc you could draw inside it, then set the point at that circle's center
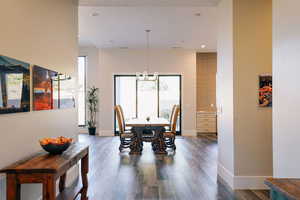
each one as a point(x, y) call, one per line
point(95, 14)
point(203, 46)
point(198, 14)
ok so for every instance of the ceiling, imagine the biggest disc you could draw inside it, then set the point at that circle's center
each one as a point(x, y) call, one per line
point(171, 26)
point(148, 2)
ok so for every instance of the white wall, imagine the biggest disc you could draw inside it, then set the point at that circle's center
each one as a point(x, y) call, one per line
point(245, 130)
point(252, 57)
point(286, 70)
point(42, 33)
point(129, 61)
point(225, 91)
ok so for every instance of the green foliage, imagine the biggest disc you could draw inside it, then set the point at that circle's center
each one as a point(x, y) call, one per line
point(92, 101)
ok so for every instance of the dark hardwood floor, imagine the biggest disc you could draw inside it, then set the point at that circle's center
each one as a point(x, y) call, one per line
point(188, 174)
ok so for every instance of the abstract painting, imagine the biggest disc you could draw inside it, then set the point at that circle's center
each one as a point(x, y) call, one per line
point(45, 89)
point(265, 90)
point(14, 85)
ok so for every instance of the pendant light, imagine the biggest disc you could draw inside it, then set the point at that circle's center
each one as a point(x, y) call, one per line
point(145, 76)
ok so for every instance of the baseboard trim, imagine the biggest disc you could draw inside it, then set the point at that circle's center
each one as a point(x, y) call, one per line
point(189, 133)
point(226, 175)
point(82, 130)
point(106, 133)
point(242, 182)
point(202, 133)
point(250, 182)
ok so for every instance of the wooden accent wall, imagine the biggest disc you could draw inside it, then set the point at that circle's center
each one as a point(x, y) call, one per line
point(206, 81)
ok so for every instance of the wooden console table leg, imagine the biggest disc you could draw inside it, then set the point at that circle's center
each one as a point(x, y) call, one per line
point(13, 188)
point(49, 188)
point(84, 177)
point(62, 182)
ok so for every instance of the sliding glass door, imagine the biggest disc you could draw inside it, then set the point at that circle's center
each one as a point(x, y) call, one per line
point(169, 95)
point(125, 95)
point(147, 104)
point(142, 99)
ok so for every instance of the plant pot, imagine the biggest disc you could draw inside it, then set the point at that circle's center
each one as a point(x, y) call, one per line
point(92, 130)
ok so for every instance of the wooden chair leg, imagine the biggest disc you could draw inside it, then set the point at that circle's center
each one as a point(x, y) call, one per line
point(123, 144)
point(170, 143)
point(121, 147)
point(174, 146)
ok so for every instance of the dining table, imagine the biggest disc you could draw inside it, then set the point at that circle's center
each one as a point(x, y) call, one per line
point(155, 125)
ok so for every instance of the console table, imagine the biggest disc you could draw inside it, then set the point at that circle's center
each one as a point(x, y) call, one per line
point(46, 169)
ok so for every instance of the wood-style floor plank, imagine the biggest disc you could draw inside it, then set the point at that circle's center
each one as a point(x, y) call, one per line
point(190, 173)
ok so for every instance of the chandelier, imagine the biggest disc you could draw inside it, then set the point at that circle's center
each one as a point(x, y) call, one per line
point(145, 76)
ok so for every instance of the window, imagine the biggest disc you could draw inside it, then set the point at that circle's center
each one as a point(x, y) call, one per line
point(81, 91)
point(141, 99)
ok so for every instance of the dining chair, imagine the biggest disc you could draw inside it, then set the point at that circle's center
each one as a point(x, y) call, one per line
point(125, 135)
point(170, 135)
point(170, 120)
point(127, 128)
point(172, 112)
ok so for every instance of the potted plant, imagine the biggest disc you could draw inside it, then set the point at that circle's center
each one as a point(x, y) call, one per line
point(92, 101)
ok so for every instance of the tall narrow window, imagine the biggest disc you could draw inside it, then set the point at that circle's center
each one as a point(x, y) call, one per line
point(81, 91)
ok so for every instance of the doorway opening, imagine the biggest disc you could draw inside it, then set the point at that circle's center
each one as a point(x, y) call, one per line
point(142, 99)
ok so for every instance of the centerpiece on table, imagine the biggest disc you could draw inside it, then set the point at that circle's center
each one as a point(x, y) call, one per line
point(56, 145)
point(147, 119)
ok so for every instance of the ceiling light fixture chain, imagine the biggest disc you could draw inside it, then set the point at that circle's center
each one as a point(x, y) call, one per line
point(148, 47)
point(144, 76)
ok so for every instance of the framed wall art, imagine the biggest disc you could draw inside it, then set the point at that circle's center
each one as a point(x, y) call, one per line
point(14, 85)
point(265, 90)
point(45, 89)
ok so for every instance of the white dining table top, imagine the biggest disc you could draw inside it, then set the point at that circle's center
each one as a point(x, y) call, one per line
point(138, 122)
